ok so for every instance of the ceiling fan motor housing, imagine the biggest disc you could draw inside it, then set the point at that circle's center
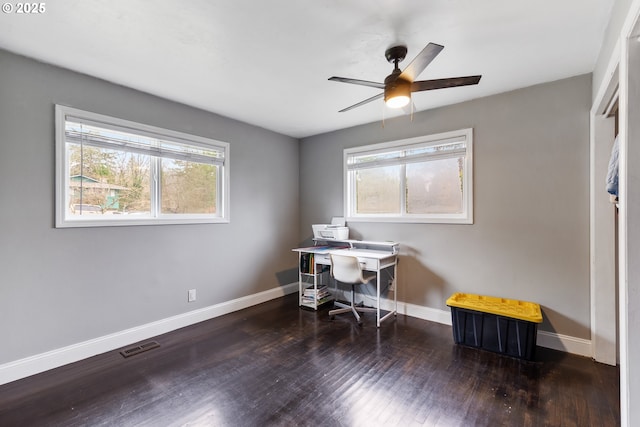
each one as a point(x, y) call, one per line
point(395, 86)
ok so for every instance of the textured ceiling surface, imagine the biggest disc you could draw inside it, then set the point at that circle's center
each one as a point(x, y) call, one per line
point(267, 62)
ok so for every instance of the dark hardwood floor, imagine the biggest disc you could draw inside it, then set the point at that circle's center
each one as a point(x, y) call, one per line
point(276, 364)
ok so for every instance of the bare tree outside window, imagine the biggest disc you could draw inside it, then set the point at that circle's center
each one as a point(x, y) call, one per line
point(188, 187)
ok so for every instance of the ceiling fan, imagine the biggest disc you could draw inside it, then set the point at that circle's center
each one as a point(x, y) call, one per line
point(399, 85)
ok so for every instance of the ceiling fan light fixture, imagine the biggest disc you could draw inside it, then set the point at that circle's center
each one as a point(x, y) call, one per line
point(397, 101)
point(397, 94)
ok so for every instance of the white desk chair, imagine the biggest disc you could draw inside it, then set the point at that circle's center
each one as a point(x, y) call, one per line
point(347, 269)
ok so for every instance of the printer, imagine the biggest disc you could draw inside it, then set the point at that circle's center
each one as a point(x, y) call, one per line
point(334, 231)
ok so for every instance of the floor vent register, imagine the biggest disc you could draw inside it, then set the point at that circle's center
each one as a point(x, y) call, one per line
point(132, 351)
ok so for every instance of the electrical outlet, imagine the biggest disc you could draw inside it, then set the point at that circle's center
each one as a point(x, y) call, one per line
point(192, 295)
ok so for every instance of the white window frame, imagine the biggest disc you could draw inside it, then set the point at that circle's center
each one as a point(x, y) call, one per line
point(63, 220)
point(466, 217)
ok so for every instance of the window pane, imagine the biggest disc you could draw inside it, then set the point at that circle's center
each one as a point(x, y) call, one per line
point(378, 190)
point(104, 182)
point(435, 187)
point(188, 187)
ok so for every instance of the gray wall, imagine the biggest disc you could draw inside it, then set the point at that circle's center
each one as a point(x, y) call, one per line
point(530, 237)
point(63, 286)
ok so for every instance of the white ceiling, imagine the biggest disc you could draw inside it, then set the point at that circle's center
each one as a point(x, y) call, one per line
point(267, 62)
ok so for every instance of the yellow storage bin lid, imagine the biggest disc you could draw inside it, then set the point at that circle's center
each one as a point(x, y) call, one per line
point(522, 310)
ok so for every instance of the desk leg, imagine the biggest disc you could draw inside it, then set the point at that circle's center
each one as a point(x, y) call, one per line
point(300, 286)
point(378, 298)
point(394, 311)
point(395, 288)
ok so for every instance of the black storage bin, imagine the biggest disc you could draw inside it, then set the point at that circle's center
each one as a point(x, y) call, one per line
point(499, 334)
point(495, 332)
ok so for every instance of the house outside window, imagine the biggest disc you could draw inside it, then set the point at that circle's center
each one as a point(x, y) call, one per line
point(425, 179)
point(111, 171)
point(93, 192)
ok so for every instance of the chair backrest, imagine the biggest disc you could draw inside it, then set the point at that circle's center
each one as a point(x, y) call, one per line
point(346, 269)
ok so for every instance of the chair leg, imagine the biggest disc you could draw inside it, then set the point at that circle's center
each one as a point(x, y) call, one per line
point(348, 308)
point(353, 304)
point(359, 308)
point(343, 308)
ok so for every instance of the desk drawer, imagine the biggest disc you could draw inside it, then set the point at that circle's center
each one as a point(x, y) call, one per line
point(369, 264)
point(323, 259)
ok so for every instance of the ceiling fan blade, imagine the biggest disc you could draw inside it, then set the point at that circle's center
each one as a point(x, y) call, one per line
point(357, 82)
point(421, 61)
point(444, 83)
point(373, 98)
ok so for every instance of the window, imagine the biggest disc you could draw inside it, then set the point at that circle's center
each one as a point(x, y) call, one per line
point(424, 179)
point(111, 171)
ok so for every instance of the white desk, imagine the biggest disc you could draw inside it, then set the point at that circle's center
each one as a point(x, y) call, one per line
point(374, 256)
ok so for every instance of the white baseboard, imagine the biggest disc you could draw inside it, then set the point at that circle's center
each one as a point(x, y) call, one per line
point(32, 365)
point(62, 356)
point(565, 343)
point(425, 313)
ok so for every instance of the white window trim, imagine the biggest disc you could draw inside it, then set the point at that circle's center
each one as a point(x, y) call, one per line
point(62, 178)
point(465, 218)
